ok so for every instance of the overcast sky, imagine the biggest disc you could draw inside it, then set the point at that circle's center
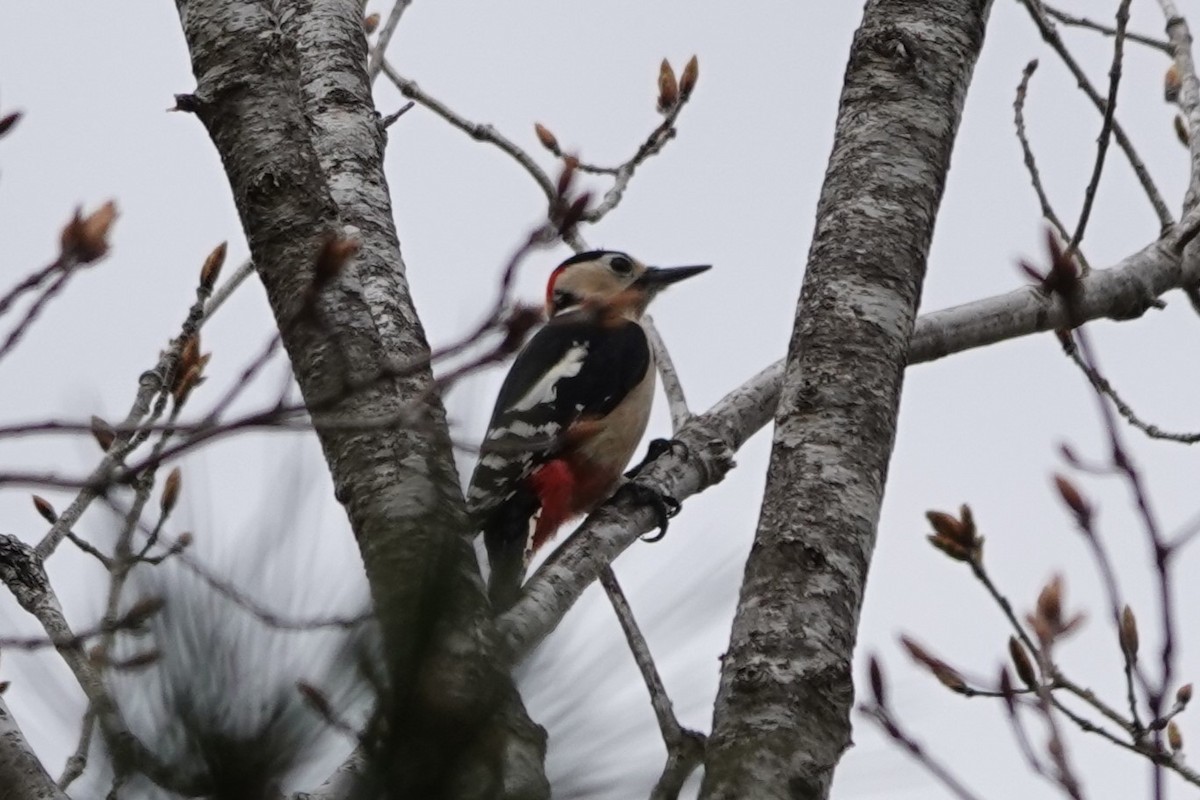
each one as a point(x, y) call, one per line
point(738, 189)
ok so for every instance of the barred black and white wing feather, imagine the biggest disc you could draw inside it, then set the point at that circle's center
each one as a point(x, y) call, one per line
point(570, 370)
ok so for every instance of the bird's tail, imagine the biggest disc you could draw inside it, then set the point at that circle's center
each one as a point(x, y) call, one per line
point(506, 537)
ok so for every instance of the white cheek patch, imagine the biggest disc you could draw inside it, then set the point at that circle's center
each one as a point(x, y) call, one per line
point(546, 389)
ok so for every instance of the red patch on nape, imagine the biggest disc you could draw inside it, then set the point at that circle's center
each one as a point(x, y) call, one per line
point(550, 284)
point(554, 483)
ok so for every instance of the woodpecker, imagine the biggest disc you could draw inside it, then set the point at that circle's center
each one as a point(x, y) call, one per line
point(570, 412)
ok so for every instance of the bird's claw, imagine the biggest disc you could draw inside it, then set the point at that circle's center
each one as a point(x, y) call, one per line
point(664, 506)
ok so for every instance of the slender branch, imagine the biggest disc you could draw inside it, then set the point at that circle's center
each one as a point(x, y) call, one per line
point(379, 53)
point(1031, 167)
point(153, 383)
point(477, 131)
point(884, 719)
point(1051, 37)
point(77, 761)
point(1070, 20)
point(672, 387)
point(1110, 108)
point(1123, 408)
point(663, 712)
point(685, 748)
point(1180, 37)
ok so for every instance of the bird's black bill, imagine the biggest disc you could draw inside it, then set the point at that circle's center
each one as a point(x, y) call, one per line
point(658, 277)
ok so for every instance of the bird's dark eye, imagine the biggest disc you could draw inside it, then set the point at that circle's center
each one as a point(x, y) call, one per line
point(620, 265)
point(563, 299)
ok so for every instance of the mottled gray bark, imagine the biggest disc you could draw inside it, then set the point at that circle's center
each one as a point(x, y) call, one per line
point(22, 776)
point(782, 717)
point(284, 94)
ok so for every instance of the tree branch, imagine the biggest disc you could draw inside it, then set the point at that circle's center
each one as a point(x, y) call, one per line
point(21, 772)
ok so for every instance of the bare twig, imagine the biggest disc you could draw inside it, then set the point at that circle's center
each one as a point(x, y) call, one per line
point(685, 748)
point(226, 290)
point(77, 761)
point(1070, 20)
point(1035, 174)
point(1050, 36)
point(1102, 385)
point(379, 53)
point(36, 308)
point(477, 131)
point(155, 383)
point(877, 709)
point(133, 619)
point(390, 119)
point(1110, 108)
point(672, 387)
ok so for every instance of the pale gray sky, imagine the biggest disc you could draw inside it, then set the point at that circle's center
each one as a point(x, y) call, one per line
point(737, 189)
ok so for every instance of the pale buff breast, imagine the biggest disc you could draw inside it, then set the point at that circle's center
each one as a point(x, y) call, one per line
point(613, 445)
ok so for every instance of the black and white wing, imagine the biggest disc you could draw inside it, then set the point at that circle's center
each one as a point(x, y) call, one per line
point(571, 368)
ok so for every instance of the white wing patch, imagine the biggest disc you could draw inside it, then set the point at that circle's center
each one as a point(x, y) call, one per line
point(523, 430)
point(546, 389)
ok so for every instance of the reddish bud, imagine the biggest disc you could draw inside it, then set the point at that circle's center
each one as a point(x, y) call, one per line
point(212, 267)
point(1073, 499)
point(370, 23)
point(945, 673)
point(1181, 130)
point(44, 509)
point(1021, 663)
point(1174, 736)
point(1183, 695)
point(103, 433)
point(546, 137)
point(687, 80)
point(567, 176)
point(574, 213)
point(950, 547)
point(170, 492)
point(945, 525)
point(86, 238)
point(668, 88)
point(1129, 634)
point(1172, 84)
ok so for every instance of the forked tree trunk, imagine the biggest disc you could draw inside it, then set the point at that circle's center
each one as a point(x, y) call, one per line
point(782, 718)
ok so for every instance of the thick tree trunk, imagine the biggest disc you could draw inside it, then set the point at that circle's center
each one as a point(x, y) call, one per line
point(782, 715)
point(286, 99)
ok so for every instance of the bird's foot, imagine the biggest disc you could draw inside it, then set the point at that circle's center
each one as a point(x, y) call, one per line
point(655, 449)
point(664, 505)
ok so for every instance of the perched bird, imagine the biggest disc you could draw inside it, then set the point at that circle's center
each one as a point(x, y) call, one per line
point(571, 411)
